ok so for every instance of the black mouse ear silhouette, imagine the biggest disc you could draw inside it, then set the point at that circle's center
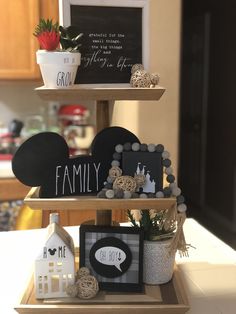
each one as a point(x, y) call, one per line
point(37, 155)
point(105, 141)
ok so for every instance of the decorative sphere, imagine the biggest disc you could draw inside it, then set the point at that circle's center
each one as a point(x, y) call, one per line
point(180, 199)
point(119, 148)
point(159, 194)
point(166, 162)
point(159, 148)
point(135, 147)
point(87, 287)
point(182, 208)
point(155, 77)
point(110, 193)
point(143, 147)
point(170, 178)
point(176, 191)
point(127, 194)
point(140, 79)
point(115, 163)
point(143, 195)
point(135, 67)
point(127, 147)
point(165, 154)
point(169, 170)
point(151, 148)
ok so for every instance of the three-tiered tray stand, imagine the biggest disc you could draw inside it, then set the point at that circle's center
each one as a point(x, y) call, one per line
point(168, 298)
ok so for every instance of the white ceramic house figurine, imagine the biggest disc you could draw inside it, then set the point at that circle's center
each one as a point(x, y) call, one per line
point(55, 264)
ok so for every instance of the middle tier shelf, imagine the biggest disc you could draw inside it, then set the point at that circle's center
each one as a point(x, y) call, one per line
point(93, 203)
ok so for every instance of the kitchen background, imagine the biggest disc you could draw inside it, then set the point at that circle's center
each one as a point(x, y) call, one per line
point(191, 45)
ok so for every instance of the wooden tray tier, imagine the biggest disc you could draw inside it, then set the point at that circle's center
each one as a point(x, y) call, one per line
point(168, 298)
point(94, 203)
point(79, 92)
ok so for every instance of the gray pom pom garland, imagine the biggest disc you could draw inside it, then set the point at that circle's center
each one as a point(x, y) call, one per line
point(119, 186)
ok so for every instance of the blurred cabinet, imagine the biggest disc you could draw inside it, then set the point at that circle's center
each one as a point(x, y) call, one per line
point(18, 19)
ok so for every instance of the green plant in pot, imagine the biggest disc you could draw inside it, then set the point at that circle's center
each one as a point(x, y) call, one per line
point(159, 232)
point(59, 56)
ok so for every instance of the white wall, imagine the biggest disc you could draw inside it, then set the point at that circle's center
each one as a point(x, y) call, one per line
point(157, 121)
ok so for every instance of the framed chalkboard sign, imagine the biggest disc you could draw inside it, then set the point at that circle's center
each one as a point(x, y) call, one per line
point(115, 37)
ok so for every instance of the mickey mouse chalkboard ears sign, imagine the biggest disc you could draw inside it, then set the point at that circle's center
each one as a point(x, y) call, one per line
point(43, 160)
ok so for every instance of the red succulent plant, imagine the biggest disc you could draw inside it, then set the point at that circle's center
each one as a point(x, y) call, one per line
point(47, 34)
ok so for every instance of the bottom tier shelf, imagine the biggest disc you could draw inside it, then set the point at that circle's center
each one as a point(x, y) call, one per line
point(169, 298)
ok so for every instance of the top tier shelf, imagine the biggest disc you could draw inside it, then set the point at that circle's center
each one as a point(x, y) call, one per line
point(100, 93)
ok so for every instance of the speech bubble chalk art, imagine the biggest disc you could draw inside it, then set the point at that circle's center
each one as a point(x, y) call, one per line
point(110, 257)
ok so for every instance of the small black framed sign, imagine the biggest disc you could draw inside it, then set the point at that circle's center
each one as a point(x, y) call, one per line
point(114, 255)
point(115, 37)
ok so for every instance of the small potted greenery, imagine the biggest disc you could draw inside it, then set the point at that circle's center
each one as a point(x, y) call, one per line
point(158, 258)
point(58, 65)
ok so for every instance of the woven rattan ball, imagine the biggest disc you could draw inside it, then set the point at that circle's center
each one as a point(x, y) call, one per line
point(135, 67)
point(140, 78)
point(140, 180)
point(87, 287)
point(125, 183)
point(72, 290)
point(115, 172)
point(83, 271)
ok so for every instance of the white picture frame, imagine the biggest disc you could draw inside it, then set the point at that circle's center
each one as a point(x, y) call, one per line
point(65, 20)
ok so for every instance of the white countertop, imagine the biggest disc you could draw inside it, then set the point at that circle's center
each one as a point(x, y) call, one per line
point(209, 273)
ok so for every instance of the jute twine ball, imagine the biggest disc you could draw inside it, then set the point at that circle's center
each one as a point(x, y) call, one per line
point(83, 271)
point(87, 287)
point(140, 180)
point(135, 67)
point(115, 172)
point(125, 183)
point(140, 78)
point(72, 290)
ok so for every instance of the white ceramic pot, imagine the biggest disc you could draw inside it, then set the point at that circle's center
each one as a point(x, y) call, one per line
point(158, 265)
point(58, 68)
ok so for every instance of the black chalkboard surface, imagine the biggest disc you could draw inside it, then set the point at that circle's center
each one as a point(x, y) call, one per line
point(112, 42)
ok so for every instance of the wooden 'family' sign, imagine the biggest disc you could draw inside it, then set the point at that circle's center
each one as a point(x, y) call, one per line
point(43, 160)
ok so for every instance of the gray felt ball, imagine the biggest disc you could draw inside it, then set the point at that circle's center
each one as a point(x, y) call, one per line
point(173, 185)
point(165, 154)
point(159, 148)
point(143, 195)
point(169, 170)
point(180, 199)
point(115, 163)
point(182, 208)
point(151, 148)
point(127, 147)
point(170, 178)
point(159, 194)
point(119, 193)
point(127, 194)
point(135, 147)
point(143, 147)
point(166, 162)
point(101, 194)
point(110, 193)
point(116, 156)
point(176, 191)
point(167, 191)
point(135, 195)
point(119, 148)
